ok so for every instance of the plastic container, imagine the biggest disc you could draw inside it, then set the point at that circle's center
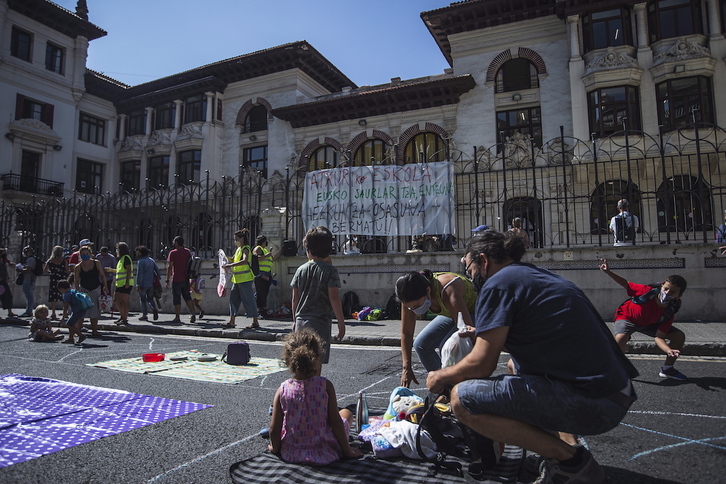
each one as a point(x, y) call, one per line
point(153, 357)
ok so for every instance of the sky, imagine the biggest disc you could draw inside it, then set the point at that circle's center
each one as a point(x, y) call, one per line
point(370, 41)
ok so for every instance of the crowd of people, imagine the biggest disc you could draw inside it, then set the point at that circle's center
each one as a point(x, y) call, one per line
point(568, 375)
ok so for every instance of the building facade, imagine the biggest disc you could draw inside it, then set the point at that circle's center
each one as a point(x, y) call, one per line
point(551, 112)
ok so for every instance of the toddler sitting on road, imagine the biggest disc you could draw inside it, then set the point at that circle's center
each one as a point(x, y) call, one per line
point(41, 328)
point(306, 426)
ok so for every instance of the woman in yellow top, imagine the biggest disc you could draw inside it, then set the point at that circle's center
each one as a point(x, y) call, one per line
point(242, 291)
point(445, 294)
point(124, 281)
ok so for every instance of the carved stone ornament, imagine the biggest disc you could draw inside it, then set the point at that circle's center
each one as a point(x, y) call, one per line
point(517, 151)
point(159, 138)
point(33, 123)
point(553, 153)
point(612, 59)
point(190, 131)
point(131, 143)
point(681, 50)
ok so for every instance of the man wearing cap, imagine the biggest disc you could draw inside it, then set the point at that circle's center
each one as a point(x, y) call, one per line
point(29, 281)
point(107, 260)
point(75, 257)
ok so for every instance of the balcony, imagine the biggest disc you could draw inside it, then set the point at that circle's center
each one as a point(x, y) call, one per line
point(29, 184)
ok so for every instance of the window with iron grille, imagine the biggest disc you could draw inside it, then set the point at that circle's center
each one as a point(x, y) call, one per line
point(424, 148)
point(256, 158)
point(21, 44)
point(371, 152)
point(54, 58)
point(674, 18)
point(158, 171)
point(131, 175)
point(189, 166)
point(323, 158)
point(526, 121)
point(91, 129)
point(89, 176)
point(679, 99)
point(610, 28)
point(516, 75)
point(608, 107)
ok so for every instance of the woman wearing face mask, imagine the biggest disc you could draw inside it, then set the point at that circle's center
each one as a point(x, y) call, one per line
point(89, 278)
point(445, 294)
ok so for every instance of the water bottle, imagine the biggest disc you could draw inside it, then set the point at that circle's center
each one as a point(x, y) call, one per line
point(361, 411)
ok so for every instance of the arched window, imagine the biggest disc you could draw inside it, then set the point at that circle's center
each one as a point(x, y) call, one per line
point(323, 158)
point(256, 119)
point(425, 148)
point(516, 75)
point(604, 204)
point(684, 205)
point(529, 209)
point(371, 152)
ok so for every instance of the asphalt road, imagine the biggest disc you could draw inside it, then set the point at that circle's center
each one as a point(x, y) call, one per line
point(675, 432)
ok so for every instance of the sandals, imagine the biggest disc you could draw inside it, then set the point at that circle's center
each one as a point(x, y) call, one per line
point(253, 326)
point(229, 325)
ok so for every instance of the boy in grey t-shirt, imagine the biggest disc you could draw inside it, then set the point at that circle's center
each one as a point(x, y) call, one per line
point(316, 290)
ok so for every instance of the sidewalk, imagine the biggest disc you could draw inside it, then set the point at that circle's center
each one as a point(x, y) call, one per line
point(703, 338)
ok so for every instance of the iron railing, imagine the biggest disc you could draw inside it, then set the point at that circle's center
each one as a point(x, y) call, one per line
point(565, 192)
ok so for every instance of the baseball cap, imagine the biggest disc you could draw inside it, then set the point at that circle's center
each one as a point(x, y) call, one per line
point(481, 228)
point(85, 242)
point(104, 248)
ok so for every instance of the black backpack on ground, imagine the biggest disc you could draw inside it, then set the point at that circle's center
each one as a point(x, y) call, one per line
point(393, 308)
point(351, 304)
point(453, 438)
point(624, 227)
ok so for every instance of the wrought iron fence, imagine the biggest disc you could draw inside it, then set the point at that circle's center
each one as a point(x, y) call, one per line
point(565, 193)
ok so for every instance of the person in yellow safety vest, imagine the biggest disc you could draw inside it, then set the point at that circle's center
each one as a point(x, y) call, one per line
point(265, 258)
point(242, 291)
point(124, 281)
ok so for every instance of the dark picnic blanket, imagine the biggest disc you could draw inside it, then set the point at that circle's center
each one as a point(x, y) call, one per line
point(267, 467)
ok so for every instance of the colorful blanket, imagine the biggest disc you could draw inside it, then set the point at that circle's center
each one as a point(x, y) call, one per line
point(185, 364)
point(39, 416)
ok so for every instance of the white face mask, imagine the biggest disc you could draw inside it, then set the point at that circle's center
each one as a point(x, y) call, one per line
point(421, 310)
point(664, 297)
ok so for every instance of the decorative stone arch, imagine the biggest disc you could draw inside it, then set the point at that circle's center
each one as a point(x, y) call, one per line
point(314, 145)
point(245, 109)
point(413, 131)
point(362, 137)
point(506, 55)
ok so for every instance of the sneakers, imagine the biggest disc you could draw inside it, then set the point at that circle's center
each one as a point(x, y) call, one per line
point(156, 314)
point(144, 318)
point(672, 373)
point(589, 472)
point(192, 319)
point(201, 314)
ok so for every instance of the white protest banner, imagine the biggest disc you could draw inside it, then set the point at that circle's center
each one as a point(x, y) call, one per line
point(393, 200)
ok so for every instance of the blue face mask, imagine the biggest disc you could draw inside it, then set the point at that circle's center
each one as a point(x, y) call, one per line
point(85, 257)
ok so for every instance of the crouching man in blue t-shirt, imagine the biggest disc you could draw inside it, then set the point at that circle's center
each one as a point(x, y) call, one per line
point(571, 375)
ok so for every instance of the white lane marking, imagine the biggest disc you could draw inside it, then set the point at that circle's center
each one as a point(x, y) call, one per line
point(201, 457)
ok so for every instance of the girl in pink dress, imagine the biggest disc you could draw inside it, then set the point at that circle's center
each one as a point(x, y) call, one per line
point(306, 426)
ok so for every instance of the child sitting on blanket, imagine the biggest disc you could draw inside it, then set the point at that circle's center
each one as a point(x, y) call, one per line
point(41, 328)
point(306, 426)
point(77, 314)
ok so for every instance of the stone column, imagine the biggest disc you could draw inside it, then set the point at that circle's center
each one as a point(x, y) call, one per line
point(178, 114)
point(122, 127)
point(714, 20)
point(149, 118)
point(641, 24)
point(80, 54)
point(573, 25)
point(210, 106)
